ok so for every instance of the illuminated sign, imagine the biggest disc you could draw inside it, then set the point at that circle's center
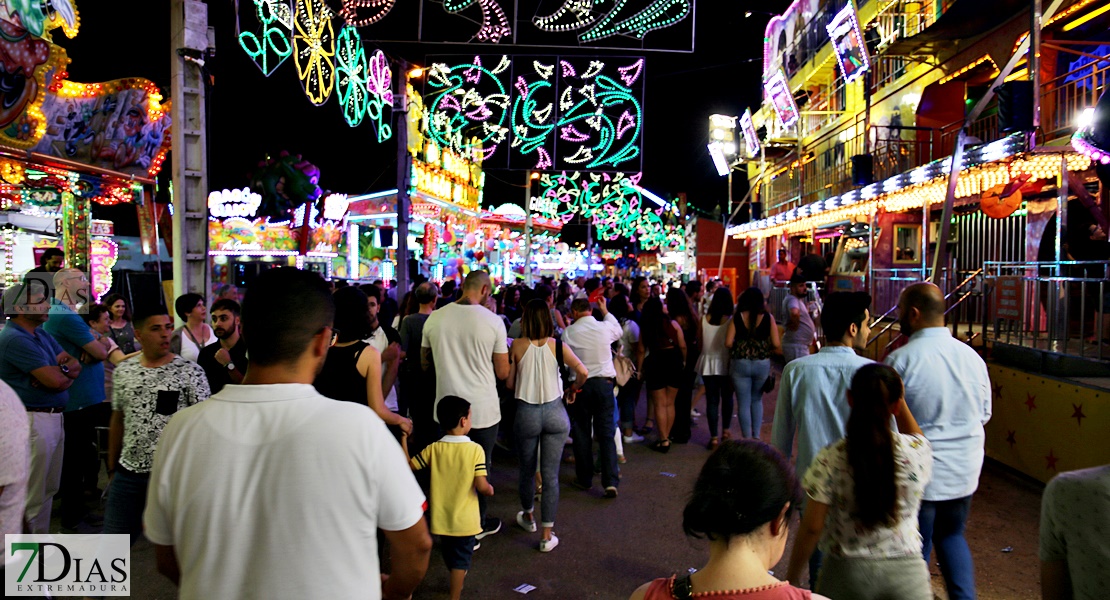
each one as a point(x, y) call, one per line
point(778, 91)
point(103, 256)
point(445, 185)
point(335, 207)
point(848, 43)
point(751, 138)
point(238, 234)
point(98, 227)
point(233, 203)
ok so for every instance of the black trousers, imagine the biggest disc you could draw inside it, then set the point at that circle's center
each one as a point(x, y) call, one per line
point(680, 431)
point(78, 472)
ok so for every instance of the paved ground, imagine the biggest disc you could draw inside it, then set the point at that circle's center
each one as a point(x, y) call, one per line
point(609, 547)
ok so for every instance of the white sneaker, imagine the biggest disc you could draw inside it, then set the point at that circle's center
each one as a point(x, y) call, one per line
point(549, 545)
point(525, 524)
point(635, 438)
point(694, 413)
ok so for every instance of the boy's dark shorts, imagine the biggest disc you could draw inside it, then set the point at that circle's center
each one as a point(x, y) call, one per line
point(457, 551)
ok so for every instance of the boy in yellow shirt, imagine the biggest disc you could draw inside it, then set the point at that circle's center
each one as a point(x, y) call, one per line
point(458, 468)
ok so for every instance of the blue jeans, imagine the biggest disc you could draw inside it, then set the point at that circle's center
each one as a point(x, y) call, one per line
point(543, 428)
point(718, 402)
point(485, 437)
point(748, 377)
point(126, 502)
point(942, 522)
point(592, 412)
point(626, 400)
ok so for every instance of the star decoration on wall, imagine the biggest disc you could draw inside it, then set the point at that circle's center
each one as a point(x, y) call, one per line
point(997, 392)
point(1050, 460)
point(1010, 438)
point(1078, 414)
point(1030, 401)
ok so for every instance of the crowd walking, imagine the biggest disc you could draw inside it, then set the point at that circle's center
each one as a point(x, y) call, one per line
point(311, 416)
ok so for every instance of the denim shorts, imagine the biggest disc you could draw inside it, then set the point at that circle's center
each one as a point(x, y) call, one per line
point(457, 551)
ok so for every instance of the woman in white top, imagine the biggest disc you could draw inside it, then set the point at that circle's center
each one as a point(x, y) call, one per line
point(195, 334)
point(713, 365)
point(864, 495)
point(541, 423)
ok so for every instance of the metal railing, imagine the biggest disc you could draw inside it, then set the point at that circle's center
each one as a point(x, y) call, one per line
point(903, 19)
point(1055, 307)
point(1064, 98)
point(956, 294)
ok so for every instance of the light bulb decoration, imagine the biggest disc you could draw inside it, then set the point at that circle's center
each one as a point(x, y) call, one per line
point(351, 72)
point(314, 49)
point(573, 113)
point(352, 16)
point(119, 125)
point(571, 16)
point(270, 45)
point(495, 24)
point(659, 14)
point(1093, 137)
point(379, 83)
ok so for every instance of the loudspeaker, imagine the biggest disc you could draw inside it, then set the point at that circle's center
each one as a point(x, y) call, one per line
point(757, 211)
point(385, 237)
point(863, 169)
point(1015, 106)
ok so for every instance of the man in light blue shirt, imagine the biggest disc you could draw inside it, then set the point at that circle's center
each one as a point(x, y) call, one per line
point(948, 391)
point(813, 393)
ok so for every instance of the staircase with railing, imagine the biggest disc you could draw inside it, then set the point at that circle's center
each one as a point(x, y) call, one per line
point(954, 300)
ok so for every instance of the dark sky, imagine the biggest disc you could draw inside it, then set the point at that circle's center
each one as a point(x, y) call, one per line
point(252, 115)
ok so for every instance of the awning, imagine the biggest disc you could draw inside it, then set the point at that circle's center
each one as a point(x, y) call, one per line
point(964, 20)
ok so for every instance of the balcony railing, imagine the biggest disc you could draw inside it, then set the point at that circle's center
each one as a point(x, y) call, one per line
point(902, 19)
point(1064, 98)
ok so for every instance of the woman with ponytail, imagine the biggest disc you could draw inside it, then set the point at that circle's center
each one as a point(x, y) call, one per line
point(742, 503)
point(864, 493)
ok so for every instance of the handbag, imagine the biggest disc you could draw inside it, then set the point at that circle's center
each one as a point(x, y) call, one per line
point(624, 367)
point(768, 385)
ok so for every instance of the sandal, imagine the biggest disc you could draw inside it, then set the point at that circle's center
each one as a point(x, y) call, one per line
point(726, 435)
point(713, 443)
point(662, 446)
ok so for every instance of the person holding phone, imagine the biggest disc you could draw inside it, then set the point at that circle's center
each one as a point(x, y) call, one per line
point(147, 391)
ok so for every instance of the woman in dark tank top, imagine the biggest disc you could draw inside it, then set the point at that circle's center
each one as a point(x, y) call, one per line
point(352, 371)
point(752, 336)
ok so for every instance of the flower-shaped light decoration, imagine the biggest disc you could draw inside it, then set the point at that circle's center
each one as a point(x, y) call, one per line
point(380, 85)
point(314, 49)
point(269, 48)
point(351, 70)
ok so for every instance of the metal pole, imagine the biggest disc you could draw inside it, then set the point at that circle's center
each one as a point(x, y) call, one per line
point(404, 173)
point(925, 241)
point(730, 189)
point(1035, 66)
point(189, 37)
point(872, 239)
point(1059, 323)
point(527, 230)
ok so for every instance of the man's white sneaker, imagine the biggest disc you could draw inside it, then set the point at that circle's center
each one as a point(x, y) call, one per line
point(635, 438)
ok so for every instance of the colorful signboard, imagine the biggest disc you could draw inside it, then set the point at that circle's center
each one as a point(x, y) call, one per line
point(102, 258)
point(751, 138)
point(778, 92)
point(239, 234)
point(851, 52)
point(233, 203)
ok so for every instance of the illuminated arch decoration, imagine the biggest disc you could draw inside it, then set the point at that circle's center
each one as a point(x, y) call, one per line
point(468, 105)
point(351, 15)
point(613, 202)
point(351, 74)
point(558, 113)
point(379, 84)
point(270, 46)
point(40, 16)
point(314, 49)
point(495, 23)
point(657, 15)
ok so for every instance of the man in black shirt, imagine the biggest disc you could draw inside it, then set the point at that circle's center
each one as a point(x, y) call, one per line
point(225, 362)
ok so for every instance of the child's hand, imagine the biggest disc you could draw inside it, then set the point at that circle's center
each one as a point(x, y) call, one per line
point(490, 492)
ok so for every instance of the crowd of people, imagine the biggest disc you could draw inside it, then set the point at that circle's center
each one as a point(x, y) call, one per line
point(360, 409)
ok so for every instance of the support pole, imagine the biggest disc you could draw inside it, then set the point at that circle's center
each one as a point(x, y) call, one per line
point(1035, 25)
point(404, 172)
point(189, 37)
point(1058, 335)
point(527, 230)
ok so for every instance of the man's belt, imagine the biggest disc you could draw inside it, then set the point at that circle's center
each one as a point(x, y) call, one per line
point(46, 409)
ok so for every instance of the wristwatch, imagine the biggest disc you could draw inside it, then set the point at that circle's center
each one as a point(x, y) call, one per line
point(230, 366)
point(64, 368)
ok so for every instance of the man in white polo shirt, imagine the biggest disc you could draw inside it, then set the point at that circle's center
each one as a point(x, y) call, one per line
point(467, 344)
point(270, 490)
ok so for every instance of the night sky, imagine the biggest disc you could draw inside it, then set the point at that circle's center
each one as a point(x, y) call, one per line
point(252, 115)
